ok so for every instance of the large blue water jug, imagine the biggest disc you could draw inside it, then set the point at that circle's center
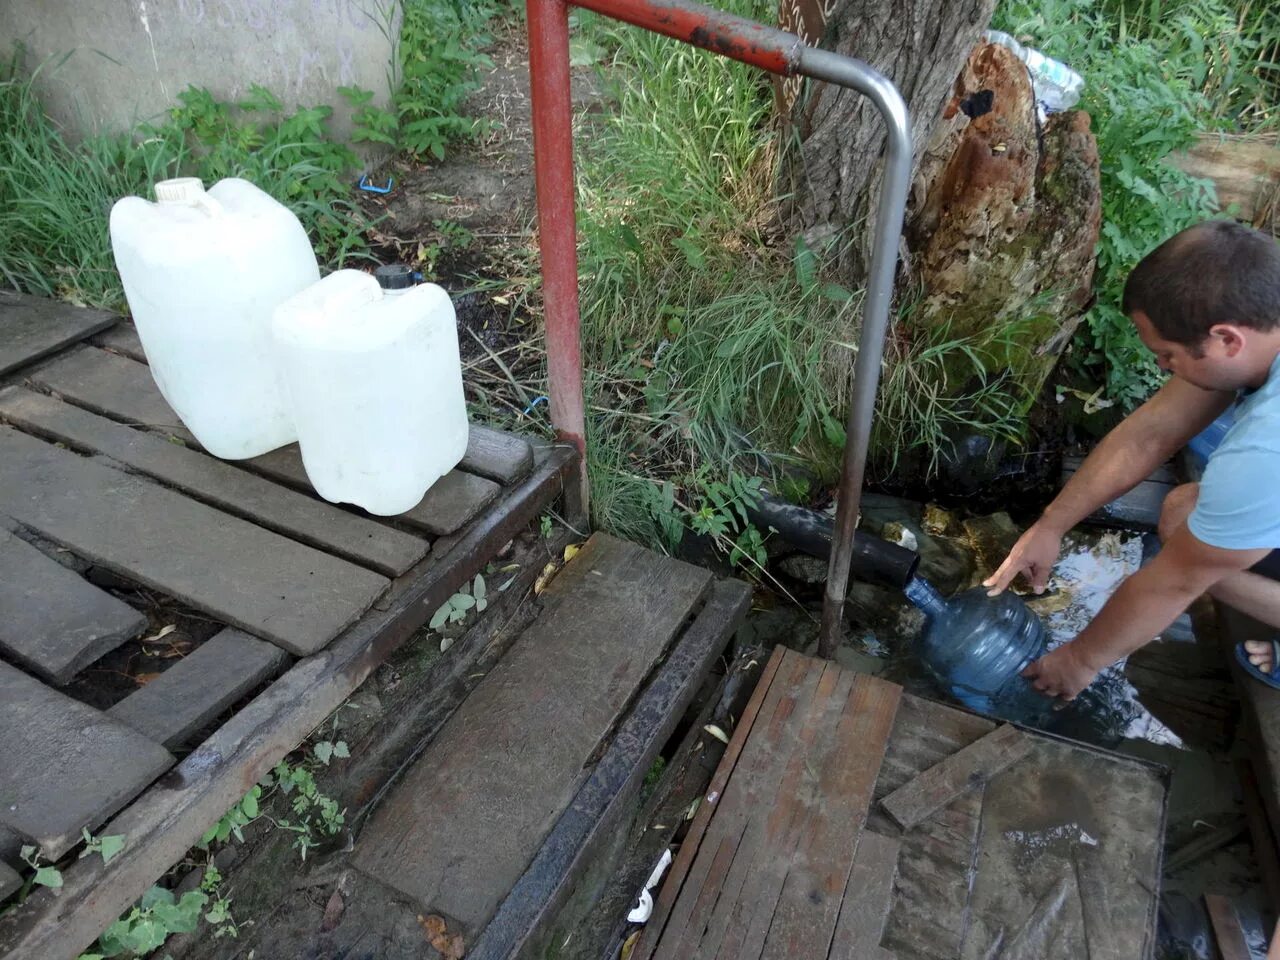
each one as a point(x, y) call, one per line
point(1206, 441)
point(977, 647)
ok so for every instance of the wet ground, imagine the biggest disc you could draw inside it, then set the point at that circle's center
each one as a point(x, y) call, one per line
point(1172, 704)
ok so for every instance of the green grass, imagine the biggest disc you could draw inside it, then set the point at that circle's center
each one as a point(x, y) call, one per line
point(55, 197)
point(712, 345)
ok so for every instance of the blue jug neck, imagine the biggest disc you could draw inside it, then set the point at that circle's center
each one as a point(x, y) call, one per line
point(923, 594)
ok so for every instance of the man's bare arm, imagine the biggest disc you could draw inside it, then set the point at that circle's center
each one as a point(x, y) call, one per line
point(1145, 604)
point(1126, 456)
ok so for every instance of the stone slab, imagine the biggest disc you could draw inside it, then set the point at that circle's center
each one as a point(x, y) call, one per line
point(52, 621)
point(65, 766)
point(10, 881)
point(275, 588)
point(359, 539)
point(460, 828)
point(34, 327)
point(193, 692)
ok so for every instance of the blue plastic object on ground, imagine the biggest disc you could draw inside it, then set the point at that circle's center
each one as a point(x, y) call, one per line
point(369, 187)
point(977, 647)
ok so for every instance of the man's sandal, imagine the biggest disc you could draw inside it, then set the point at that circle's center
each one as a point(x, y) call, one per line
point(1272, 678)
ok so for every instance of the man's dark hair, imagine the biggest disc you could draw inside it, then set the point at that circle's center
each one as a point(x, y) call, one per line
point(1215, 272)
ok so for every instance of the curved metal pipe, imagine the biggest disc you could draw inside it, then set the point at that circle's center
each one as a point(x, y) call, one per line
point(848, 72)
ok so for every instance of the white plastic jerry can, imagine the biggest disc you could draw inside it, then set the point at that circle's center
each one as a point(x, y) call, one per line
point(374, 380)
point(202, 273)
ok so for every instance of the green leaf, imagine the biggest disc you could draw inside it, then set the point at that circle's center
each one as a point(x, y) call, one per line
point(249, 805)
point(478, 588)
point(111, 845)
point(323, 752)
point(49, 877)
point(481, 605)
point(156, 896)
point(463, 601)
point(441, 616)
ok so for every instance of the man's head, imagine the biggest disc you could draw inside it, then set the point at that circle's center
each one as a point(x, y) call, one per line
point(1206, 302)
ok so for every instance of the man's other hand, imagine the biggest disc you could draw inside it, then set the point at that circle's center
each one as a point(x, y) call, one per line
point(1061, 673)
point(1034, 554)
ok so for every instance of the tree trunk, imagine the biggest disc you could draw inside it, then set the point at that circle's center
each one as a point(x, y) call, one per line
point(833, 170)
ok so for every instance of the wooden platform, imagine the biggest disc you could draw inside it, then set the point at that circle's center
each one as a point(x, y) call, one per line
point(115, 529)
point(494, 822)
point(792, 854)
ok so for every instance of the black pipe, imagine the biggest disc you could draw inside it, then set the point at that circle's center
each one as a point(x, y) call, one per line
point(874, 560)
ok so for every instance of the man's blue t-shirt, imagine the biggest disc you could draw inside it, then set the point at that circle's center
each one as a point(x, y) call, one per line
point(1239, 503)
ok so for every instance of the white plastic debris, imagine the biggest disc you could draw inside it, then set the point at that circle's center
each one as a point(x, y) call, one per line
point(644, 906)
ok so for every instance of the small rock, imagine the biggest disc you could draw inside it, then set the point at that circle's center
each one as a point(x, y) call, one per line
point(991, 538)
point(900, 534)
point(938, 522)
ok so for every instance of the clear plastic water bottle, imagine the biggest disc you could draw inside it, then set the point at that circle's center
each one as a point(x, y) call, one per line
point(977, 646)
point(1057, 87)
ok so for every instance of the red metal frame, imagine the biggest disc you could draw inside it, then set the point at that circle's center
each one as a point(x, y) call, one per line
point(770, 49)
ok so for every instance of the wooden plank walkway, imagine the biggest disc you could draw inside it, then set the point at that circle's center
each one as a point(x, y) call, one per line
point(466, 821)
point(94, 465)
point(778, 862)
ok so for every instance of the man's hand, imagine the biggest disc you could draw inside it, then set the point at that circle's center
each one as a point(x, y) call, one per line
point(1061, 673)
point(1034, 554)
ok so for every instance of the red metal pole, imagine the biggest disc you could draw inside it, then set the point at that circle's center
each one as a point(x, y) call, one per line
point(735, 37)
point(557, 229)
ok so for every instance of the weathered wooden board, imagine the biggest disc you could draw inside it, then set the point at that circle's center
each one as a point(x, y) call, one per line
point(868, 898)
point(52, 621)
point(34, 327)
point(166, 821)
point(121, 388)
point(966, 769)
point(598, 809)
point(451, 503)
point(361, 540)
point(252, 578)
point(10, 881)
point(490, 453)
point(772, 864)
point(1062, 800)
point(191, 693)
point(65, 766)
point(935, 865)
point(462, 826)
point(112, 385)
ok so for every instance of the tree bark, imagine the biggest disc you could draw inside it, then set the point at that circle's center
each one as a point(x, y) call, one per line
point(832, 171)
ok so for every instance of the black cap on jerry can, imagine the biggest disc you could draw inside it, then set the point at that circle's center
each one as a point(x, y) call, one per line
point(395, 276)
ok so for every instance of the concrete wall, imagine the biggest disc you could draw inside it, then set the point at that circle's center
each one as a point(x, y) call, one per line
point(130, 58)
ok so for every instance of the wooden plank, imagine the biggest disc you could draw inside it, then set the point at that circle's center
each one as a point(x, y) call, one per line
point(1265, 848)
point(452, 502)
point(168, 820)
point(868, 897)
point(968, 769)
point(122, 389)
point(678, 873)
point(936, 866)
point(361, 540)
point(810, 900)
point(497, 455)
point(599, 806)
point(10, 881)
point(53, 621)
point(742, 781)
point(1232, 943)
point(193, 692)
point(466, 820)
point(63, 765)
point(490, 453)
point(112, 385)
point(291, 594)
point(34, 327)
